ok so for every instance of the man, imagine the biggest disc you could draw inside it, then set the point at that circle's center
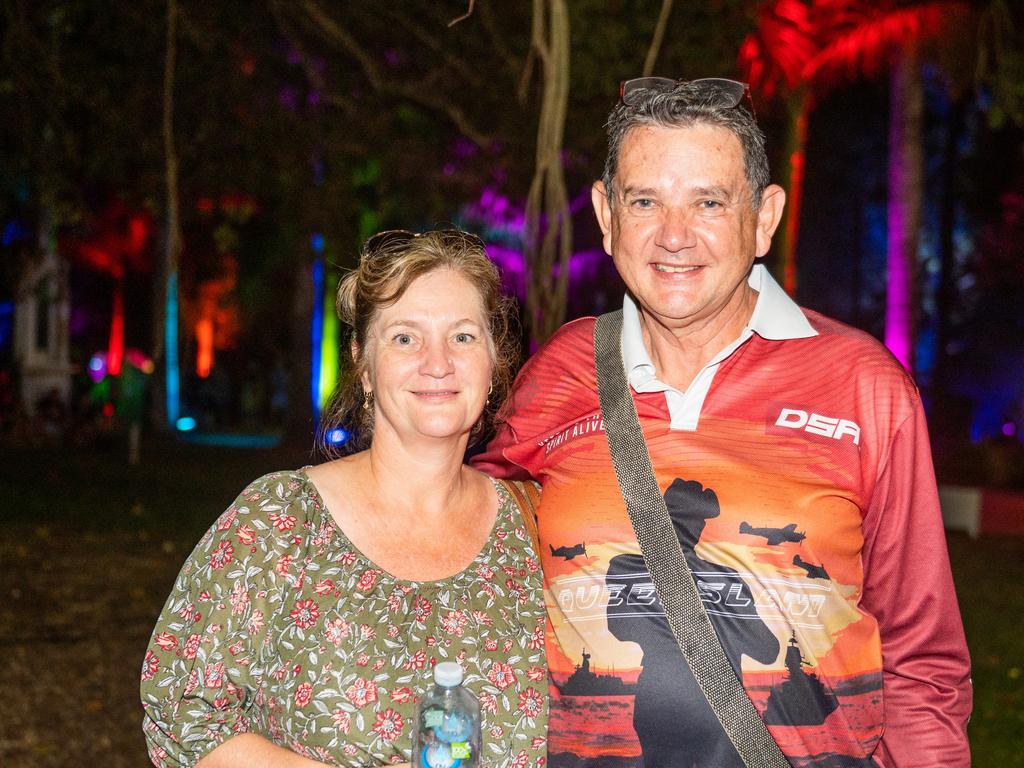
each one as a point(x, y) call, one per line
point(793, 454)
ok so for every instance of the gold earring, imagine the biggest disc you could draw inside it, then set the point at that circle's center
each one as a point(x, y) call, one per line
point(368, 401)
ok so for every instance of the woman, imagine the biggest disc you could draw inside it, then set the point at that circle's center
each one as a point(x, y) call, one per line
point(307, 621)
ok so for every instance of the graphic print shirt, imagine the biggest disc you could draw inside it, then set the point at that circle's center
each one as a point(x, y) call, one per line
point(806, 508)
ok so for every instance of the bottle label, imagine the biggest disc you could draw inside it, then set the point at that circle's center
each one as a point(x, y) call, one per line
point(432, 717)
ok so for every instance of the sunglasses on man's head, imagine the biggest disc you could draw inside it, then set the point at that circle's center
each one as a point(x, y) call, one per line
point(715, 91)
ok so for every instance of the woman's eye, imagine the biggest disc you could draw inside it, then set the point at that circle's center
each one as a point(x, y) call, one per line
point(402, 339)
point(464, 338)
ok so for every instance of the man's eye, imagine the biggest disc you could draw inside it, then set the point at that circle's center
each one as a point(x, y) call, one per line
point(642, 203)
point(710, 205)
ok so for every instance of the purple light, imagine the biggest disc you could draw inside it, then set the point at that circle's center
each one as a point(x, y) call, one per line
point(1009, 429)
point(97, 367)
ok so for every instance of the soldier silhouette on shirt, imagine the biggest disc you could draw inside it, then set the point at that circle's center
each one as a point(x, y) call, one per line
point(673, 721)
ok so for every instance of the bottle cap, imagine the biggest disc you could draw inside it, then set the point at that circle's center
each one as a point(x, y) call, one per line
point(448, 674)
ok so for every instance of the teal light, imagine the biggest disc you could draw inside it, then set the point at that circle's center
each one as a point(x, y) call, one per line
point(171, 351)
point(185, 423)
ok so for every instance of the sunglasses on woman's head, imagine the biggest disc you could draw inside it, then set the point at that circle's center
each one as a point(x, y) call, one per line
point(399, 237)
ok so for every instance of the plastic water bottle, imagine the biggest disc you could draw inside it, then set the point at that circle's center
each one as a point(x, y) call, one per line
point(447, 723)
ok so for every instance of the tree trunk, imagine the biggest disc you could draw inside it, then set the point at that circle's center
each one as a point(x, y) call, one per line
point(798, 107)
point(548, 225)
point(166, 342)
point(906, 172)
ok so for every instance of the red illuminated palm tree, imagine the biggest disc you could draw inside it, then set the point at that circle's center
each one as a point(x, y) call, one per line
point(802, 49)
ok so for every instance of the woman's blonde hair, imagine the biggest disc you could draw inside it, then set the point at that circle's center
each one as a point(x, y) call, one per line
point(390, 262)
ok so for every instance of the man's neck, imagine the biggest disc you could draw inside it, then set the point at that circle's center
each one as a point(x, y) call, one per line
point(680, 352)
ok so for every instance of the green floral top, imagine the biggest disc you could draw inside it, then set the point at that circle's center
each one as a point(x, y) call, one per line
point(278, 625)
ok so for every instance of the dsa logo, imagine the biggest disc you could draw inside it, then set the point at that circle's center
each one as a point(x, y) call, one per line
point(816, 424)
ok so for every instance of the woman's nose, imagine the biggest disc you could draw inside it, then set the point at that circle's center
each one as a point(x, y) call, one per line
point(437, 361)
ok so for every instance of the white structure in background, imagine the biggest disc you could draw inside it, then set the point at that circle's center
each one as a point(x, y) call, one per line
point(43, 309)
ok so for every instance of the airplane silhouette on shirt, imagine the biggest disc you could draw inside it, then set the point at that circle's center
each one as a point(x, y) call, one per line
point(569, 552)
point(813, 571)
point(775, 535)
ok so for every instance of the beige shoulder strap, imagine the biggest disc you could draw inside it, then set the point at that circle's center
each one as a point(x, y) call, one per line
point(527, 497)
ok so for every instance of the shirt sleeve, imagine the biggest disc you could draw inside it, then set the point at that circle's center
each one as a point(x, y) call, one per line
point(908, 588)
point(202, 674)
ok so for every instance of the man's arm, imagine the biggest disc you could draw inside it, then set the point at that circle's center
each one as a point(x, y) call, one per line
point(908, 588)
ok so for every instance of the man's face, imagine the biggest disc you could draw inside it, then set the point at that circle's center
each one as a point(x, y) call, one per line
point(681, 231)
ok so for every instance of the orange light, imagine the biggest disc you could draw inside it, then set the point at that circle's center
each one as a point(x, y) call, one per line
point(204, 344)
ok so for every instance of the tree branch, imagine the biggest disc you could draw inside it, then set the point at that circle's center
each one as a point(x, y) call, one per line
point(659, 36)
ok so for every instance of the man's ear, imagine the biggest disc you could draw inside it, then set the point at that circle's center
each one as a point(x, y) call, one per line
point(773, 201)
point(603, 210)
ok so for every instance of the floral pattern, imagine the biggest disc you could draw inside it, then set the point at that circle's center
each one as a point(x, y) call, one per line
point(278, 625)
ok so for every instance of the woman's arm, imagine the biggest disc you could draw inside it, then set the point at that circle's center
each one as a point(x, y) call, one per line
point(253, 751)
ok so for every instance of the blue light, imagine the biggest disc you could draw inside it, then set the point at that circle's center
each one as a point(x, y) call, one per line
point(171, 375)
point(316, 332)
point(185, 424)
point(317, 242)
point(336, 436)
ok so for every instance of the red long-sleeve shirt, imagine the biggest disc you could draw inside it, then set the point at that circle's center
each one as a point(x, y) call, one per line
point(820, 554)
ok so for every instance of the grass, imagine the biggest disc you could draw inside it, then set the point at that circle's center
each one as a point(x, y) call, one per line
point(91, 546)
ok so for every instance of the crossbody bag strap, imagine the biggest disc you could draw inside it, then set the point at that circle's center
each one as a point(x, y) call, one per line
point(664, 558)
point(527, 498)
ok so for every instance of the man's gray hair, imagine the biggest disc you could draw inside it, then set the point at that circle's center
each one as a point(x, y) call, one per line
point(682, 106)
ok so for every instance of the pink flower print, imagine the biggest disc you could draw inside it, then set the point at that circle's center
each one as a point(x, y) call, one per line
point(538, 742)
point(421, 608)
point(367, 580)
point(323, 586)
point(235, 648)
point(192, 683)
point(394, 601)
point(347, 559)
point(496, 732)
point(393, 630)
point(342, 720)
point(239, 598)
point(378, 664)
point(490, 644)
point(214, 677)
point(150, 665)
point(362, 692)
point(256, 621)
point(509, 570)
point(536, 641)
point(335, 630)
point(430, 640)
point(520, 761)
point(221, 555)
point(502, 675)
point(191, 647)
point(453, 622)
point(536, 673)
point(283, 564)
point(282, 522)
point(246, 534)
point(221, 702)
point(484, 572)
point(304, 693)
point(367, 632)
point(227, 519)
point(401, 695)
point(305, 613)
point(362, 660)
point(507, 646)
point(488, 702)
point(389, 724)
point(165, 641)
point(517, 589)
point(417, 661)
point(350, 749)
point(530, 702)
point(483, 618)
point(532, 565)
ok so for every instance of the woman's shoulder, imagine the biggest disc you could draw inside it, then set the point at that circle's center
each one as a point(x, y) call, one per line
point(272, 509)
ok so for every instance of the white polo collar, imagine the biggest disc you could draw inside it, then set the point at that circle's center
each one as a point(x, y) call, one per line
point(775, 317)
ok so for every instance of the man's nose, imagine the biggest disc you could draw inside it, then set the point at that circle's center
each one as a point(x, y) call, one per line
point(437, 359)
point(675, 232)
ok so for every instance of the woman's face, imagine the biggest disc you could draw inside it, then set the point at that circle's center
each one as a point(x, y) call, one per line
point(428, 360)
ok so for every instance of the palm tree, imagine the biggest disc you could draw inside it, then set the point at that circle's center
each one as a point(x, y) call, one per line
point(803, 49)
